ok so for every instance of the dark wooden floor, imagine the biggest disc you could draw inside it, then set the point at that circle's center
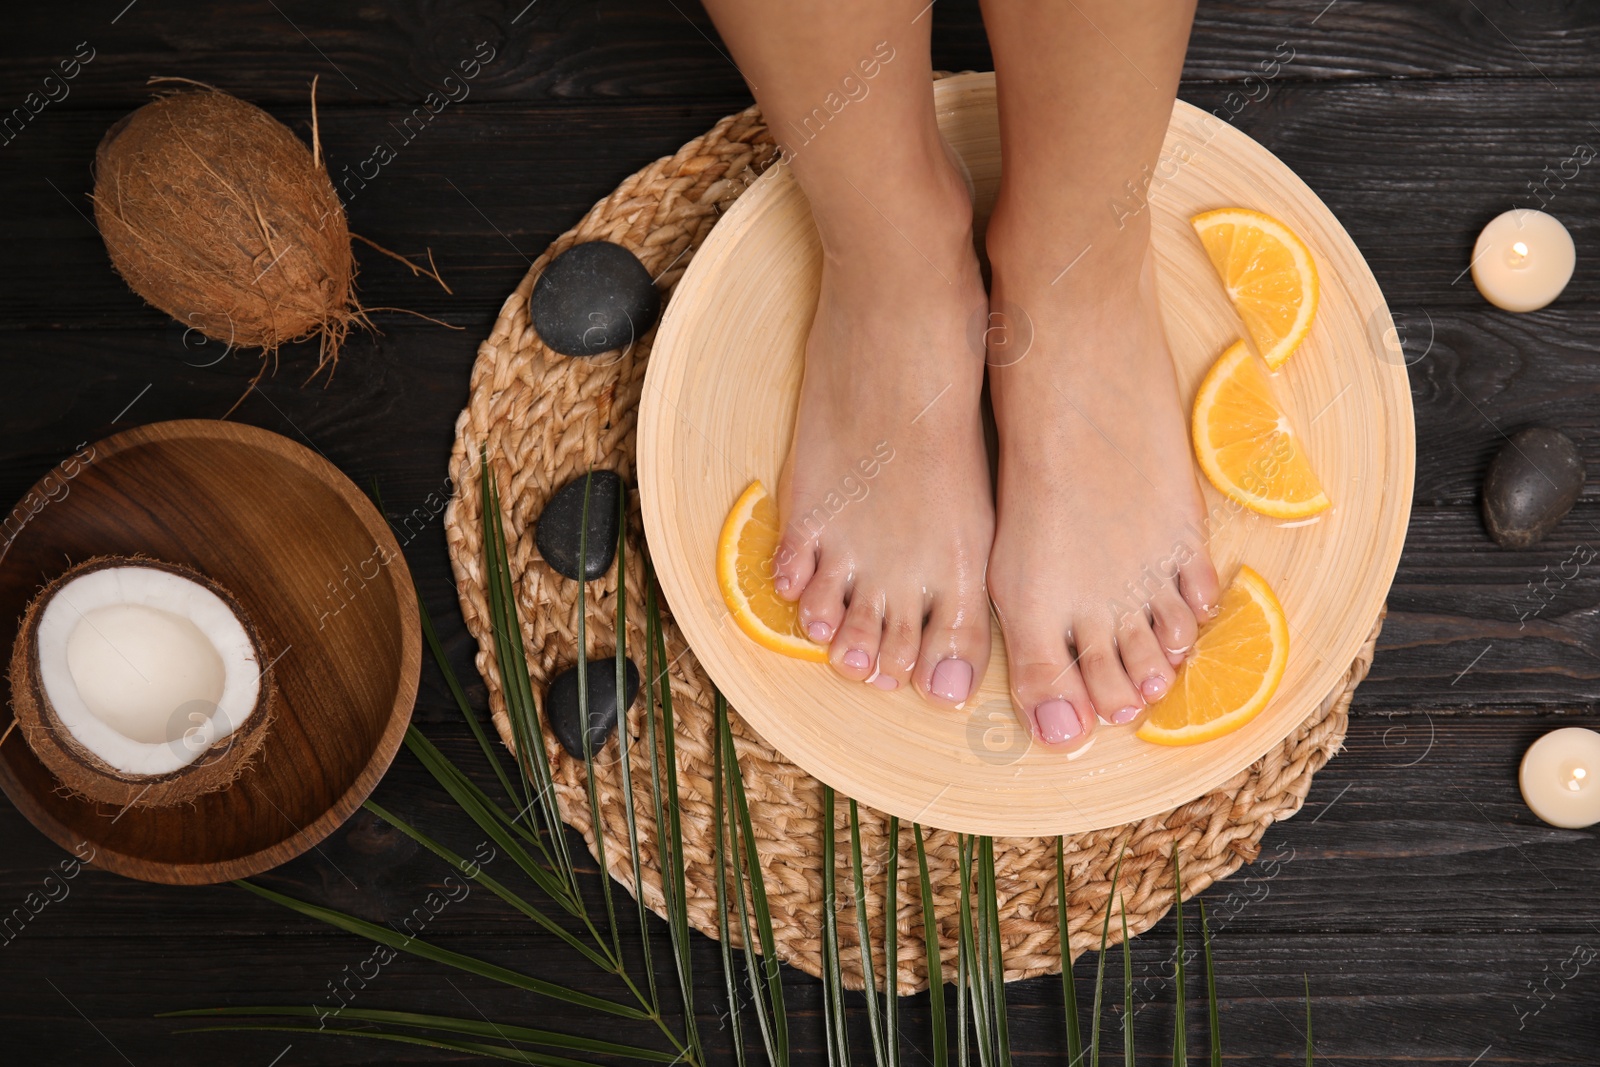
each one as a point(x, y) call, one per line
point(1436, 918)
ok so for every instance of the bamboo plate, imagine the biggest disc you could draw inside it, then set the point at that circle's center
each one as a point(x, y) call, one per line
point(718, 409)
point(319, 573)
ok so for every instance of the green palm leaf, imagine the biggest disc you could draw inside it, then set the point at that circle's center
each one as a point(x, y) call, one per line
point(516, 687)
point(591, 787)
point(833, 1014)
point(1069, 992)
point(1310, 1049)
point(1211, 989)
point(869, 981)
point(1128, 1057)
point(1100, 966)
point(496, 1052)
point(1180, 1036)
point(491, 884)
point(975, 957)
point(989, 911)
point(537, 825)
point(891, 944)
point(671, 839)
point(766, 982)
point(722, 858)
point(428, 951)
point(963, 951)
point(624, 748)
point(431, 636)
point(489, 818)
point(930, 947)
point(447, 1023)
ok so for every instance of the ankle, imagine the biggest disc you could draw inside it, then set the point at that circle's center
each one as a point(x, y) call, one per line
point(914, 203)
point(1059, 246)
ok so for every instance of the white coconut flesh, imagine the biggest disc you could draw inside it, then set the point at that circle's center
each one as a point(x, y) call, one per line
point(145, 668)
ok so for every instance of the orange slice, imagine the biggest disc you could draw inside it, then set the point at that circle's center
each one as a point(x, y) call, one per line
point(1268, 272)
point(1232, 671)
point(744, 571)
point(1245, 444)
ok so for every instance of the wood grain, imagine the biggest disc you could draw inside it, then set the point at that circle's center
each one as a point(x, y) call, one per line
point(1413, 169)
point(569, 50)
point(294, 541)
point(1415, 901)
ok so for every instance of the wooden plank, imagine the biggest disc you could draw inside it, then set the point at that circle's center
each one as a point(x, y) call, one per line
point(1445, 815)
point(1406, 889)
point(1412, 169)
point(437, 193)
point(1422, 898)
point(637, 49)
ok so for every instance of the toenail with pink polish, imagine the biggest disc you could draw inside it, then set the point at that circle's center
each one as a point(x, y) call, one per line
point(952, 680)
point(1057, 721)
point(856, 660)
point(1126, 715)
point(781, 583)
point(885, 682)
point(819, 632)
point(1153, 688)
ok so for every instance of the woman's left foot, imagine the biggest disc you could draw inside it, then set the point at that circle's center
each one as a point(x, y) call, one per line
point(1099, 572)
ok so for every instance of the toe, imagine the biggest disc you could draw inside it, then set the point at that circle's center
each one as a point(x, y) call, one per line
point(855, 647)
point(1197, 579)
point(1175, 625)
point(1147, 665)
point(1046, 687)
point(822, 603)
point(1113, 695)
point(793, 563)
point(902, 641)
point(955, 649)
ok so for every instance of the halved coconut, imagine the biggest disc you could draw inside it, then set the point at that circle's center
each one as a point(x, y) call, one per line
point(140, 683)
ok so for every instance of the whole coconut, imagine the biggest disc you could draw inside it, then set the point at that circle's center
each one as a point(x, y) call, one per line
point(216, 213)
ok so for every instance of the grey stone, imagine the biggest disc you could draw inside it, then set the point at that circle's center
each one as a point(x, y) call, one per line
point(1531, 485)
point(561, 704)
point(558, 534)
point(593, 298)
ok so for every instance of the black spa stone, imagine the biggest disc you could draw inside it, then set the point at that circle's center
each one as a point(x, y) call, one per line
point(1531, 485)
point(558, 533)
point(561, 704)
point(593, 298)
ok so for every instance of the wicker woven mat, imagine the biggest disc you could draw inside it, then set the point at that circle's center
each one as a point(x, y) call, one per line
point(546, 419)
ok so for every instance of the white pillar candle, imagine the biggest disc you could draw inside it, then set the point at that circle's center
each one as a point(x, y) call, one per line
point(1523, 259)
point(1561, 777)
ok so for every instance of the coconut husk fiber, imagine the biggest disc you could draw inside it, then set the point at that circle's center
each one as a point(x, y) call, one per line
point(216, 213)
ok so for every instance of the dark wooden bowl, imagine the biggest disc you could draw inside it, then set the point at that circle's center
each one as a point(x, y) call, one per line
point(320, 575)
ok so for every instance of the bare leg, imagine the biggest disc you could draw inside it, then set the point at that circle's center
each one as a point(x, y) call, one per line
point(885, 495)
point(1099, 569)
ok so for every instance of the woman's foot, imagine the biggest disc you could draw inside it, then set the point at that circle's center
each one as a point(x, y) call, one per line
point(1099, 572)
point(885, 496)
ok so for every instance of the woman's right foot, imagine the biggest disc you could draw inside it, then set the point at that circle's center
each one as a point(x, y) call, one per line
point(885, 498)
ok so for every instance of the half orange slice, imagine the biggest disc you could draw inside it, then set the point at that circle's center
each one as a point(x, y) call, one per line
point(1245, 445)
point(745, 549)
point(1269, 274)
point(1232, 671)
